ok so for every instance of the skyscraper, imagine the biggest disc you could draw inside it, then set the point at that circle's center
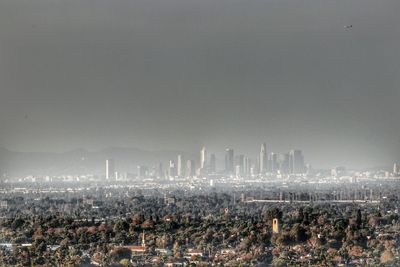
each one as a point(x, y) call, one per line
point(229, 157)
point(180, 166)
point(296, 162)
point(203, 157)
point(110, 169)
point(263, 159)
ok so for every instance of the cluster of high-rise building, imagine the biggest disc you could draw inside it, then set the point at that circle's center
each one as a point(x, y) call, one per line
point(266, 163)
point(285, 163)
point(182, 168)
point(234, 165)
point(238, 165)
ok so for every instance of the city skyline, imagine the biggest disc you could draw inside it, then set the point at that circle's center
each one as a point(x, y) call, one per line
point(219, 156)
point(282, 164)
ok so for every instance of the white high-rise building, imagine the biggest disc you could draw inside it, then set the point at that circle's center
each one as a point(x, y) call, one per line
point(203, 157)
point(180, 166)
point(110, 169)
point(229, 159)
point(263, 159)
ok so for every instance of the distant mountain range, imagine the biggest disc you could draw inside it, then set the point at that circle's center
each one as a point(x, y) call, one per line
point(81, 161)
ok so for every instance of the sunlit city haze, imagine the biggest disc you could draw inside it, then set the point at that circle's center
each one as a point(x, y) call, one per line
point(199, 133)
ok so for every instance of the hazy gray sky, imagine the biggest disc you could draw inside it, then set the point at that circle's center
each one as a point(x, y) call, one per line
point(175, 74)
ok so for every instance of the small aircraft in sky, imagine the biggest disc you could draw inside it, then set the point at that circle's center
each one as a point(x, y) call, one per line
point(348, 26)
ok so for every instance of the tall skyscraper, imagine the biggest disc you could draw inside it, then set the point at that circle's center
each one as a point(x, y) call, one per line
point(180, 166)
point(213, 163)
point(229, 157)
point(203, 157)
point(263, 159)
point(110, 169)
point(296, 162)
